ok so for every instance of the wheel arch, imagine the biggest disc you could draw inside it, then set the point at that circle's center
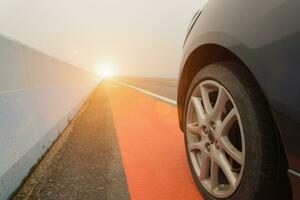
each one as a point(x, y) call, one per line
point(208, 54)
point(202, 56)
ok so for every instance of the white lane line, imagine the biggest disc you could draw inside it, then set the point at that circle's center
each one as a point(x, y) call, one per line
point(148, 93)
point(294, 172)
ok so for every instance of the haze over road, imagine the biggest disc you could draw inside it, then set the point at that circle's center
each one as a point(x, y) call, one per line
point(140, 38)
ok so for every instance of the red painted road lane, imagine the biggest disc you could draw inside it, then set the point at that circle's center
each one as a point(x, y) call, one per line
point(151, 145)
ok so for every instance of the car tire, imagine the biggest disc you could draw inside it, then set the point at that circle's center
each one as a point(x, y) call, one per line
point(264, 168)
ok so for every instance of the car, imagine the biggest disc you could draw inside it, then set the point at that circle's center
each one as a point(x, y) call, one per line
point(239, 99)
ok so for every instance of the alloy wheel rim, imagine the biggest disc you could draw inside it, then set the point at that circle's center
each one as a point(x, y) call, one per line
point(215, 139)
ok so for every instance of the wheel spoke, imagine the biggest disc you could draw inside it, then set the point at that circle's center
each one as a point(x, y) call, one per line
point(227, 169)
point(224, 127)
point(199, 110)
point(205, 99)
point(204, 166)
point(219, 105)
point(214, 173)
point(231, 150)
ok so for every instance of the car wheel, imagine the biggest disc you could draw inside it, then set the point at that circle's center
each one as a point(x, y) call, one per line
point(230, 138)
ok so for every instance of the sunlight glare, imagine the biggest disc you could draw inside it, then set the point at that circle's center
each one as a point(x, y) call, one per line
point(105, 69)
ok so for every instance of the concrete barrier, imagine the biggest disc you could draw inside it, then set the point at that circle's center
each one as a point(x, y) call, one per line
point(38, 94)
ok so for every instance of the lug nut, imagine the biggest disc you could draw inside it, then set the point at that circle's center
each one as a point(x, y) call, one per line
point(211, 137)
point(204, 129)
point(207, 147)
point(207, 131)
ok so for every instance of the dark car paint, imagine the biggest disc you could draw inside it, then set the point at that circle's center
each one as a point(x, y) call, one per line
point(265, 35)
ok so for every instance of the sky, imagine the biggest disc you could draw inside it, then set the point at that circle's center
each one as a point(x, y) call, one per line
point(133, 37)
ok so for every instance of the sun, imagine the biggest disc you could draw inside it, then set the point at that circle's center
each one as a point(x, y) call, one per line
point(105, 69)
point(106, 72)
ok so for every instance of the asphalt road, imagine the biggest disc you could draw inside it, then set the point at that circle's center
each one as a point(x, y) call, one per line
point(161, 86)
point(87, 165)
point(118, 148)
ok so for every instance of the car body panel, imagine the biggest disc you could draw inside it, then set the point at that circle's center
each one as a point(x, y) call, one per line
point(265, 35)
